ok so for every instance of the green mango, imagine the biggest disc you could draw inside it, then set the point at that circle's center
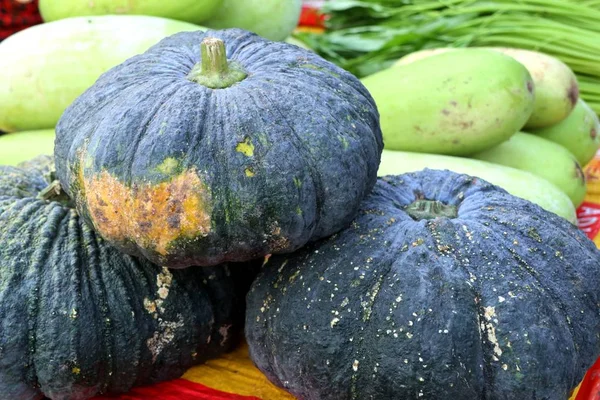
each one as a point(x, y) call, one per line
point(519, 183)
point(579, 132)
point(271, 19)
point(18, 147)
point(556, 87)
point(47, 66)
point(543, 158)
point(457, 103)
point(194, 11)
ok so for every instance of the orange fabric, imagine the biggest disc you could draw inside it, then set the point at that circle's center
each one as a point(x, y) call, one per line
point(236, 373)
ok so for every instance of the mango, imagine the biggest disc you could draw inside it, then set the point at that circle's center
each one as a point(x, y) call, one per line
point(45, 67)
point(579, 132)
point(22, 146)
point(194, 11)
point(543, 158)
point(271, 19)
point(456, 103)
point(519, 183)
point(556, 87)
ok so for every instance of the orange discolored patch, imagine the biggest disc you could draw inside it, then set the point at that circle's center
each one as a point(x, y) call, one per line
point(153, 216)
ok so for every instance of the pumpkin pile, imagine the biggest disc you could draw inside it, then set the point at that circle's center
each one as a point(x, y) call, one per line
point(219, 164)
point(197, 153)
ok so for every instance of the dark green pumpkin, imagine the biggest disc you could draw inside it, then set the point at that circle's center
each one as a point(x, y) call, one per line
point(191, 160)
point(443, 287)
point(78, 318)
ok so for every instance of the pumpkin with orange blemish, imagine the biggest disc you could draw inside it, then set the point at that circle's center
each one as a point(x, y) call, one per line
point(78, 318)
point(219, 146)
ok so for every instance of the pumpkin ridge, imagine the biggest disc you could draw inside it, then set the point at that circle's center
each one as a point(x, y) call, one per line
point(540, 288)
point(55, 217)
point(76, 279)
point(138, 139)
point(253, 96)
point(98, 290)
point(485, 346)
point(138, 279)
point(221, 101)
point(305, 153)
point(548, 289)
point(550, 293)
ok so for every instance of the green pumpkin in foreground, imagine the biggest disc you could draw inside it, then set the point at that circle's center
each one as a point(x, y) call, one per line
point(444, 287)
point(78, 318)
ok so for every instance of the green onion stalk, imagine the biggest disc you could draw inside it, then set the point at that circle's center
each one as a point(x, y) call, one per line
point(366, 36)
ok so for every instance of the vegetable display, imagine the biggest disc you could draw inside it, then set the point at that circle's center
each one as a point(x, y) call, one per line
point(443, 287)
point(455, 103)
point(210, 183)
point(79, 318)
point(278, 149)
point(45, 67)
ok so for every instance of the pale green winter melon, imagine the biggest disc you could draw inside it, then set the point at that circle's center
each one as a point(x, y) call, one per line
point(519, 183)
point(543, 158)
point(272, 19)
point(194, 11)
point(18, 147)
point(579, 132)
point(457, 103)
point(45, 67)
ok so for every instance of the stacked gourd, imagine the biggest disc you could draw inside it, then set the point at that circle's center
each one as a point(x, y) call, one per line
point(513, 108)
point(45, 67)
point(183, 169)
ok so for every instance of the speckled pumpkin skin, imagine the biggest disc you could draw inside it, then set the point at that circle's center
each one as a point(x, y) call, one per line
point(499, 303)
point(78, 318)
point(186, 175)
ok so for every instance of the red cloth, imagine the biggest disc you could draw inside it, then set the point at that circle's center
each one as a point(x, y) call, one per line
point(16, 15)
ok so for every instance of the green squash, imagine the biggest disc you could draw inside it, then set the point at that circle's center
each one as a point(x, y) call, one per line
point(197, 154)
point(22, 146)
point(271, 19)
point(45, 67)
point(78, 318)
point(556, 86)
point(443, 287)
point(579, 132)
point(543, 158)
point(455, 103)
point(194, 11)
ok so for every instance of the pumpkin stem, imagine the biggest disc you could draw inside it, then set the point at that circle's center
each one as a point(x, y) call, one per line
point(214, 70)
point(54, 192)
point(430, 209)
